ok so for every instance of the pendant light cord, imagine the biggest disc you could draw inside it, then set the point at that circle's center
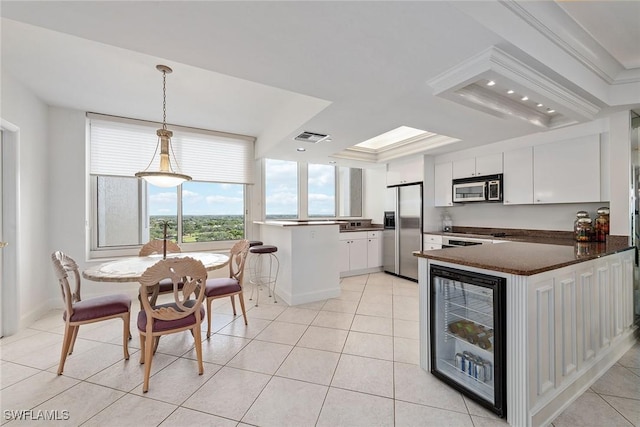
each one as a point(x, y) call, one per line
point(164, 100)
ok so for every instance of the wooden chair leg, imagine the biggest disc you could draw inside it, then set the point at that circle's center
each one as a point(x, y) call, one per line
point(148, 355)
point(233, 304)
point(143, 340)
point(198, 344)
point(125, 335)
point(66, 342)
point(244, 312)
point(76, 328)
point(209, 301)
point(156, 342)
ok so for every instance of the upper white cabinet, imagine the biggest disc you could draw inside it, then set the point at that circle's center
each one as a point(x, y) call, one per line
point(518, 176)
point(442, 184)
point(489, 164)
point(404, 171)
point(567, 171)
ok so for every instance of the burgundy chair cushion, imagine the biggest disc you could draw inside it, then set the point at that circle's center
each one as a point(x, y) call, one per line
point(94, 308)
point(166, 285)
point(263, 249)
point(165, 325)
point(223, 286)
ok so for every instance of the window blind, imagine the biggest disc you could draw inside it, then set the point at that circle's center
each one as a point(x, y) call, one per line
point(122, 147)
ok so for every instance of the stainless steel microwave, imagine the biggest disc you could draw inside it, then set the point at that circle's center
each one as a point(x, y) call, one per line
point(486, 188)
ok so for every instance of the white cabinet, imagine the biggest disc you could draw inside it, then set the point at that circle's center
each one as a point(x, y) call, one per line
point(431, 242)
point(442, 184)
point(489, 164)
point(518, 176)
point(567, 171)
point(405, 171)
point(374, 249)
point(360, 250)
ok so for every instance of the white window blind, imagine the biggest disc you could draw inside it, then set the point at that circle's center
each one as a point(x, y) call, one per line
point(122, 147)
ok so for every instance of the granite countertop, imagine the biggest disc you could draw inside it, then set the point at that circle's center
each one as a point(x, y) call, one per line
point(527, 259)
point(511, 235)
point(372, 228)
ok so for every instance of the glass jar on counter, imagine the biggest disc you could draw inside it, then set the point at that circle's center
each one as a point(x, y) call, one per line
point(602, 224)
point(583, 230)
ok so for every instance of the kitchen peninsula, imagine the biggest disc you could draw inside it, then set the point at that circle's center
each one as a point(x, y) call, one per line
point(567, 315)
point(308, 252)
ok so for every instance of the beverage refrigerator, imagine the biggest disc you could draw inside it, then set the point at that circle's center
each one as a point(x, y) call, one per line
point(468, 334)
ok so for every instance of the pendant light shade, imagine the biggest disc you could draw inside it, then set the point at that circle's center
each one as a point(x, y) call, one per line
point(166, 176)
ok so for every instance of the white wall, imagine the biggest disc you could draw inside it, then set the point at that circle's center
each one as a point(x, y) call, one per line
point(23, 109)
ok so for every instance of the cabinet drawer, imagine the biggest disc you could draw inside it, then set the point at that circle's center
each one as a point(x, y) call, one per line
point(353, 235)
point(432, 246)
point(432, 238)
point(373, 234)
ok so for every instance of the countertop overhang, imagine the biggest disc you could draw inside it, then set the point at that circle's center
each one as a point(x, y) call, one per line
point(527, 259)
point(296, 223)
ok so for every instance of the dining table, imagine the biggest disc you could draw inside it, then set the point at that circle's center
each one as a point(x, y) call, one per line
point(130, 269)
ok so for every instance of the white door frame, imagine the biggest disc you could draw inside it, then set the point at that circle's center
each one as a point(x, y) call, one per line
point(10, 228)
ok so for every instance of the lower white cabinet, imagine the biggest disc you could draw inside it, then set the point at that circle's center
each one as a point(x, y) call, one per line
point(360, 250)
point(431, 242)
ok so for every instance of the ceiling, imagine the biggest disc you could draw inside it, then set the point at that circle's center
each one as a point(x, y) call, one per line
point(352, 70)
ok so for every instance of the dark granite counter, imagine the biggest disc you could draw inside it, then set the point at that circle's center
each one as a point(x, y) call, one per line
point(527, 259)
point(372, 228)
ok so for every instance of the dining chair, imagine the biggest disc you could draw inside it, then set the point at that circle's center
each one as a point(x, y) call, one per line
point(80, 312)
point(156, 247)
point(184, 313)
point(229, 286)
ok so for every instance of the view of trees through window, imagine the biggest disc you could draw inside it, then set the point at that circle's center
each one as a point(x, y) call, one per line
point(210, 212)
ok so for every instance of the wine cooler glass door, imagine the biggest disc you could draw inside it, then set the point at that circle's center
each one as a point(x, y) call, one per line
point(465, 334)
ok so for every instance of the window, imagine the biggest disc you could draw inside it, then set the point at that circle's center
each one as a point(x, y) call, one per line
point(202, 214)
point(281, 189)
point(321, 190)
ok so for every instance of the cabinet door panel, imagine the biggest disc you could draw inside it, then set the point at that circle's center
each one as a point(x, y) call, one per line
point(442, 184)
point(568, 171)
point(604, 299)
point(344, 255)
point(358, 254)
point(490, 164)
point(518, 176)
point(464, 168)
point(374, 258)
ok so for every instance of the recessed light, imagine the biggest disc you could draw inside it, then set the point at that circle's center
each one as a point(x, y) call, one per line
point(524, 98)
point(300, 149)
point(549, 110)
point(332, 162)
point(491, 83)
point(509, 91)
point(539, 105)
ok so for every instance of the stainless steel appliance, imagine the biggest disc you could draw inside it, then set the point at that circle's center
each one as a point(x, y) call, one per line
point(402, 233)
point(455, 241)
point(467, 334)
point(486, 188)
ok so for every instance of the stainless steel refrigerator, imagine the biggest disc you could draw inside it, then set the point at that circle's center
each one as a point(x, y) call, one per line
point(402, 233)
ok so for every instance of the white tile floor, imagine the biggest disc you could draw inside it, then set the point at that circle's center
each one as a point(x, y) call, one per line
point(349, 361)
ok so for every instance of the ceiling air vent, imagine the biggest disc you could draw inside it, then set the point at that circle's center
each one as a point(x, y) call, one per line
point(311, 137)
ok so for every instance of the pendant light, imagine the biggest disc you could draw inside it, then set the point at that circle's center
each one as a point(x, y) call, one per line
point(166, 176)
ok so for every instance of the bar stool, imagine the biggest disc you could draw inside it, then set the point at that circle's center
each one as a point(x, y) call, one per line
point(258, 276)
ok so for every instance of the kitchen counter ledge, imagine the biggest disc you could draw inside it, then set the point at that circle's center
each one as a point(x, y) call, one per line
point(527, 259)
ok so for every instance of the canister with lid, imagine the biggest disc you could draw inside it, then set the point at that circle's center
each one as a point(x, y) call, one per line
point(602, 224)
point(583, 230)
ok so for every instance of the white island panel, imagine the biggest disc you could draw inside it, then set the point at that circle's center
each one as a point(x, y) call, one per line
point(309, 263)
